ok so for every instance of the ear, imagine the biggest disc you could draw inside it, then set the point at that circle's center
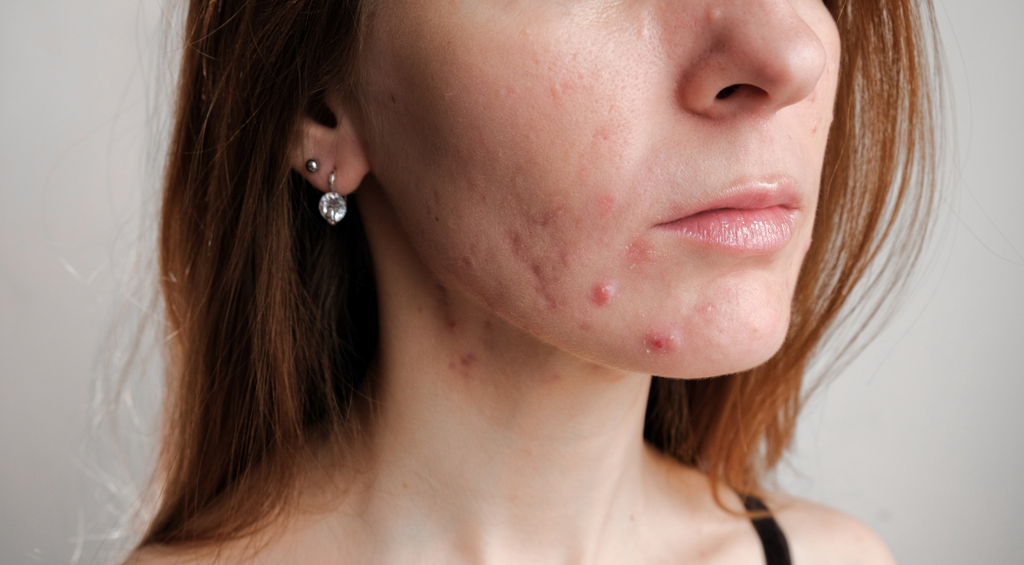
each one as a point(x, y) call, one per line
point(337, 149)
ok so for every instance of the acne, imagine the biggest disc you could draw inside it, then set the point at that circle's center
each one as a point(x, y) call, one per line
point(657, 341)
point(639, 252)
point(603, 293)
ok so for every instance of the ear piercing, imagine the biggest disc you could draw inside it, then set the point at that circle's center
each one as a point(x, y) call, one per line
point(332, 205)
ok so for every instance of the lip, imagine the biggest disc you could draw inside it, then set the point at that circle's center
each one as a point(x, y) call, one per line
point(750, 219)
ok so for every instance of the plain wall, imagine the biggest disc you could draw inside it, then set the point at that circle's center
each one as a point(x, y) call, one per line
point(921, 437)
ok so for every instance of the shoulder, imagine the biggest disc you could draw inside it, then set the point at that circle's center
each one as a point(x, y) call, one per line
point(252, 550)
point(820, 535)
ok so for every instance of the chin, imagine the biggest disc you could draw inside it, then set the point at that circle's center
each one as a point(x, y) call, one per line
point(718, 338)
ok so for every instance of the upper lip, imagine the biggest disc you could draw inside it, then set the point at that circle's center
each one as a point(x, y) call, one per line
point(747, 195)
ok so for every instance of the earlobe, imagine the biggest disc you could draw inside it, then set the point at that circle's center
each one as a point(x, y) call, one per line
point(320, 151)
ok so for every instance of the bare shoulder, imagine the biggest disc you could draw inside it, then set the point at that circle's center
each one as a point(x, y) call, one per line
point(253, 550)
point(159, 555)
point(819, 535)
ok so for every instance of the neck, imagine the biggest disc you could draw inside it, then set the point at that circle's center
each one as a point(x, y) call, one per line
point(489, 445)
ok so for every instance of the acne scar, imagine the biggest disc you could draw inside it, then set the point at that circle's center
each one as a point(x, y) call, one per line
point(605, 203)
point(603, 293)
point(638, 253)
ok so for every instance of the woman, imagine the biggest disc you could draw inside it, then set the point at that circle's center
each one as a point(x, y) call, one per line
point(548, 202)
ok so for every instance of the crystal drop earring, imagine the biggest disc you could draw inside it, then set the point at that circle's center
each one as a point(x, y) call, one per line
point(332, 205)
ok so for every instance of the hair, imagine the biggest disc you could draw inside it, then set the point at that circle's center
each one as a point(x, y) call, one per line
point(272, 317)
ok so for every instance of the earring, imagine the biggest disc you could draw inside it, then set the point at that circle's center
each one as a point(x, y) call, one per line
point(312, 166)
point(332, 205)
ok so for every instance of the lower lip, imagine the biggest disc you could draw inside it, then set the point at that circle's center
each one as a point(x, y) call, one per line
point(756, 231)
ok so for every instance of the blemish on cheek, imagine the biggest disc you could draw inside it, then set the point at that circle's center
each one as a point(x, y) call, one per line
point(603, 293)
point(551, 215)
point(605, 203)
point(638, 253)
point(517, 245)
point(660, 342)
point(565, 258)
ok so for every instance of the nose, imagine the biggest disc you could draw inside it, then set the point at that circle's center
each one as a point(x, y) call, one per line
point(758, 56)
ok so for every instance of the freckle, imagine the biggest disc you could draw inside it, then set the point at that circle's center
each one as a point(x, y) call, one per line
point(405, 485)
point(603, 293)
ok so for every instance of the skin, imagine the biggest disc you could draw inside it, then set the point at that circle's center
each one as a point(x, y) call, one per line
point(525, 156)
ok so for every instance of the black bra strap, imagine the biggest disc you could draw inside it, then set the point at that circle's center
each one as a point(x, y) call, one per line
point(776, 550)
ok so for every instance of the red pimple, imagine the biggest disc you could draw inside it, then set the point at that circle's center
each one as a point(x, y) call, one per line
point(603, 293)
point(659, 342)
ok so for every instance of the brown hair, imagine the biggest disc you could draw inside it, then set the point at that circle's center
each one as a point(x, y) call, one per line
point(272, 320)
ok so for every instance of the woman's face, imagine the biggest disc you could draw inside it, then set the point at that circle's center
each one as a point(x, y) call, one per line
point(632, 181)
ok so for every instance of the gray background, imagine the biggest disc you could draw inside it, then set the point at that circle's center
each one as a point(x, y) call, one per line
point(921, 437)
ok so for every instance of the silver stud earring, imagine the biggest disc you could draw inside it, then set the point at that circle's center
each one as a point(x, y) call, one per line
point(312, 166)
point(332, 205)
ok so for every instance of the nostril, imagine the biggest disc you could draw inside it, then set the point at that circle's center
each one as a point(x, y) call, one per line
point(727, 92)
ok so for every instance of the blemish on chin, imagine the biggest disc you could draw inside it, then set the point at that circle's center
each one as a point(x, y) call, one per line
point(603, 293)
point(660, 342)
point(639, 252)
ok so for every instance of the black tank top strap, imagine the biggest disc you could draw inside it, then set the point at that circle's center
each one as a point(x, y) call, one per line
point(776, 550)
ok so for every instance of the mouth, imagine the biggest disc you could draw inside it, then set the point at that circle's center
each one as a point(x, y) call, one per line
point(753, 219)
